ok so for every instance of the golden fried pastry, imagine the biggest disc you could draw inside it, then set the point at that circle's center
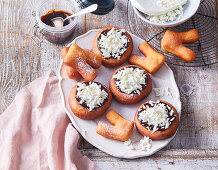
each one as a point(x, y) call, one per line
point(130, 84)
point(93, 59)
point(172, 42)
point(121, 129)
point(157, 119)
point(89, 100)
point(71, 72)
point(114, 45)
point(152, 61)
point(76, 58)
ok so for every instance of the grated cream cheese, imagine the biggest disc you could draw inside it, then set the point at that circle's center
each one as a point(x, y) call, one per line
point(157, 115)
point(129, 144)
point(175, 14)
point(160, 92)
point(170, 3)
point(130, 80)
point(145, 144)
point(113, 44)
point(91, 94)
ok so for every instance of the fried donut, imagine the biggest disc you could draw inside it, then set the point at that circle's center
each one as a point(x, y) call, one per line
point(71, 72)
point(130, 84)
point(89, 100)
point(157, 119)
point(121, 129)
point(114, 45)
point(172, 42)
point(76, 58)
point(93, 59)
point(152, 61)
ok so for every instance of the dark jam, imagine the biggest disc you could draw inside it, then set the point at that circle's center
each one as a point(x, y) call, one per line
point(135, 91)
point(159, 128)
point(105, 33)
point(84, 103)
point(47, 18)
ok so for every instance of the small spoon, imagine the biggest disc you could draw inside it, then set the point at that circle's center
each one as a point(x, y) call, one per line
point(59, 21)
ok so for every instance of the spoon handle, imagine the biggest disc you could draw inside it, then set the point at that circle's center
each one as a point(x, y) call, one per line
point(89, 9)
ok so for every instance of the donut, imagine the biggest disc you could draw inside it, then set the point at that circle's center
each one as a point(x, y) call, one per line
point(114, 45)
point(157, 119)
point(121, 129)
point(89, 99)
point(151, 61)
point(130, 84)
point(71, 72)
point(172, 42)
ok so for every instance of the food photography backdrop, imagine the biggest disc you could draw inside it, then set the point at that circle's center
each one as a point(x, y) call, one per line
point(195, 145)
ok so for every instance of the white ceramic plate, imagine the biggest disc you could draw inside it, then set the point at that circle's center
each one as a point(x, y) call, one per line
point(189, 9)
point(87, 128)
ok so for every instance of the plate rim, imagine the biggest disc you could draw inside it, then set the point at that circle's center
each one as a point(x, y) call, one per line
point(100, 147)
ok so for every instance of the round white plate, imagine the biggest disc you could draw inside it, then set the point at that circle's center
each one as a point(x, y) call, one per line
point(189, 9)
point(87, 128)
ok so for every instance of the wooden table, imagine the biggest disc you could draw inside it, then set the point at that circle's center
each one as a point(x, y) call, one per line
point(21, 61)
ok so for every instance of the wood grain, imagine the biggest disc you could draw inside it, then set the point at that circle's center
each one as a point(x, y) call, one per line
point(164, 159)
point(21, 61)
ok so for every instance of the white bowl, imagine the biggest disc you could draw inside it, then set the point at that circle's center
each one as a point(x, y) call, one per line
point(189, 9)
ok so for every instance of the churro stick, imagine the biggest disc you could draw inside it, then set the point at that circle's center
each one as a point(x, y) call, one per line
point(189, 37)
point(121, 129)
point(76, 58)
point(172, 42)
point(152, 61)
point(71, 72)
point(93, 59)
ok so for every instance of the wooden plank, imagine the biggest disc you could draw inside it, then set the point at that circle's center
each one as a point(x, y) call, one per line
point(117, 17)
point(216, 8)
point(164, 159)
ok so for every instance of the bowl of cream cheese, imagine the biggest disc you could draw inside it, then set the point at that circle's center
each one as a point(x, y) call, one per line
point(165, 13)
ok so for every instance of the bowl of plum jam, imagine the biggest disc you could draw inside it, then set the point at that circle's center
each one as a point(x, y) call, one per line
point(49, 9)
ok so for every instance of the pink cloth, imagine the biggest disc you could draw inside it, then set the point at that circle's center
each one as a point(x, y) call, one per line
point(35, 132)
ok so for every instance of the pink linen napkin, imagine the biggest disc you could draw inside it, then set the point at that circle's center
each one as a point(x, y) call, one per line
point(35, 132)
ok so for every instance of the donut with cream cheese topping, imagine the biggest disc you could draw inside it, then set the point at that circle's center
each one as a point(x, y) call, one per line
point(130, 84)
point(115, 45)
point(89, 100)
point(157, 119)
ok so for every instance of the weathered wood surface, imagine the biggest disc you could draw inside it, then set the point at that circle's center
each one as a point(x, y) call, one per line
point(165, 159)
point(196, 143)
